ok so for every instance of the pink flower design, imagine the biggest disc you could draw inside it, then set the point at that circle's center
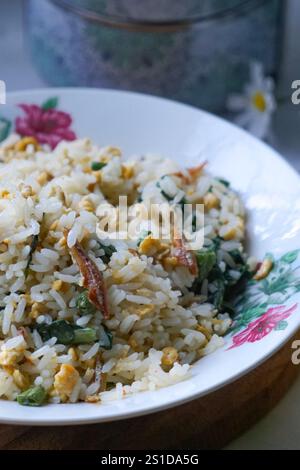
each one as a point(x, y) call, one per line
point(48, 126)
point(262, 326)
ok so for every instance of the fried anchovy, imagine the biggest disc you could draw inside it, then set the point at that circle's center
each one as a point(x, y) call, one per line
point(92, 279)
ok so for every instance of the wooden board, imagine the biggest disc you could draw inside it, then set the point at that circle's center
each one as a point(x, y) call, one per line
point(207, 423)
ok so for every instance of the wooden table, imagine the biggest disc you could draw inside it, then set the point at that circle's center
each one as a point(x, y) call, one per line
point(207, 423)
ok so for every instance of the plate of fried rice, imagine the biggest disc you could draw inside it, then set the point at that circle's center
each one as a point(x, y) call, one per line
point(100, 323)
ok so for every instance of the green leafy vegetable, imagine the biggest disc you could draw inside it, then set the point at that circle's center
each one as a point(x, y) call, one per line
point(168, 197)
point(234, 285)
point(33, 247)
point(171, 198)
point(51, 103)
point(206, 259)
point(67, 333)
point(237, 257)
point(242, 268)
point(62, 330)
point(228, 307)
point(34, 396)
point(108, 252)
point(83, 304)
point(218, 297)
point(84, 336)
point(225, 284)
point(224, 182)
point(183, 201)
point(73, 334)
point(164, 194)
point(217, 242)
point(96, 166)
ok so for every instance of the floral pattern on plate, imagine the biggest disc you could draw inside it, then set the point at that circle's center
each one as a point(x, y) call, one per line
point(45, 123)
point(264, 306)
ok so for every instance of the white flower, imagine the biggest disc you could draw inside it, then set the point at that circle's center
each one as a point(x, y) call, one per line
point(256, 106)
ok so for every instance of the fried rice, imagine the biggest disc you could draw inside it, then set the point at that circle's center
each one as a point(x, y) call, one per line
point(154, 315)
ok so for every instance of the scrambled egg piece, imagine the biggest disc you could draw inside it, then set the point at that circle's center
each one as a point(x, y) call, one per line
point(153, 246)
point(169, 357)
point(20, 380)
point(10, 358)
point(65, 380)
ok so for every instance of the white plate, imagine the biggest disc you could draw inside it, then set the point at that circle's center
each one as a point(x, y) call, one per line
point(270, 190)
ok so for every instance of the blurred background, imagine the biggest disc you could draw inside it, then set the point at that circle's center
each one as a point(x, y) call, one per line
point(235, 58)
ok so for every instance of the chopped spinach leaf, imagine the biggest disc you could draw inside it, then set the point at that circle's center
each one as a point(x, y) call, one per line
point(83, 304)
point(226, 285)
point(84, 335)
point(62, 330)
point(96, 166)
point(166, 196)
point(34, 396)
point(224, 182)
point(218, 296)
point(206, 260)
point(108, 252)
point(72, 334)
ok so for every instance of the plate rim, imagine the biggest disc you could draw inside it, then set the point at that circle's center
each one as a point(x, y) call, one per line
point(61, 90)
point(173, 401)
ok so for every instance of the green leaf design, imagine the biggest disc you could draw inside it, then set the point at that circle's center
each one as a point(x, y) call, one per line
point(51, 103)
point(5, 126)
point(276, 289)
point(297, 286)
point(290, 257)
point(247, 316)
point(281, 325)
point(277, 284)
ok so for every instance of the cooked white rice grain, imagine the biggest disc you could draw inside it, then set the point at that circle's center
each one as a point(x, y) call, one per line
point(154, 301)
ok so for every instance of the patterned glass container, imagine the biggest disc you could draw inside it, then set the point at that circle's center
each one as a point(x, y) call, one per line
point(192, 51)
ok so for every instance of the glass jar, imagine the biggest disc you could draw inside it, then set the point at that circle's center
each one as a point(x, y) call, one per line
point(195, 52)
